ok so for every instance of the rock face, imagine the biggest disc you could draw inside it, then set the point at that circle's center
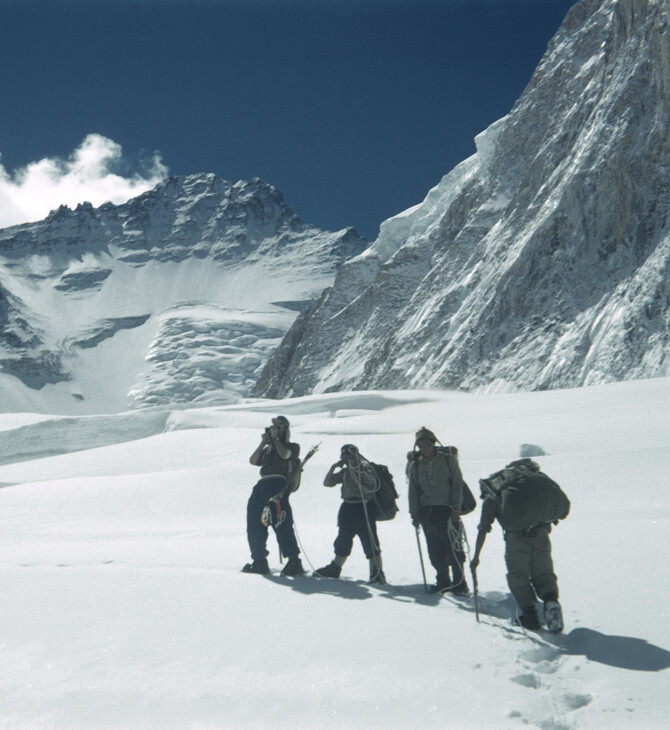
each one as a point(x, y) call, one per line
point(540, 262)
point(177, 296)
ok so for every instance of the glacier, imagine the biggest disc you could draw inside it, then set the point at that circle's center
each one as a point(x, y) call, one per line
point(177, 296)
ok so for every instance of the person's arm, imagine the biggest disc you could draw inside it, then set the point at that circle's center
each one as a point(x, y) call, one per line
point(331, 479)
point(255, 458)
point(485, 524)
point(413, 495)
point(481, 539)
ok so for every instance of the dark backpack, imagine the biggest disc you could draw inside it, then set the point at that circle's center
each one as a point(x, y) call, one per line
point(469, 502)
point(526, 496)
point(385, 497)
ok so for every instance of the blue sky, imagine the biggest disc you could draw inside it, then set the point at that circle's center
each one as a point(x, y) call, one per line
point(354, 109)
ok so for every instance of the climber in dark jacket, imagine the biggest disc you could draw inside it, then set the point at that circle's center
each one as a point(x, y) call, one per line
point(276, 456)
point(530, 568)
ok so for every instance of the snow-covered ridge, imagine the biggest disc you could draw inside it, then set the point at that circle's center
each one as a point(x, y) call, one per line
point(177, 296)
point(416, 222)
point(540, 262)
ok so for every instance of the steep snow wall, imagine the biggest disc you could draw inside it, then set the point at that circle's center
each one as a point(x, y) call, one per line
point(540, 262)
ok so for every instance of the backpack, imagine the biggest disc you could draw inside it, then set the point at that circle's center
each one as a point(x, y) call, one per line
point(469, 502)
point(526, 496)
point(385, 497)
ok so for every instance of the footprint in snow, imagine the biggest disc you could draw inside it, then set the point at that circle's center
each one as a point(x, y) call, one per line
point(576, 701)
point(544, 659)
point(541, 654)
point(527, 680)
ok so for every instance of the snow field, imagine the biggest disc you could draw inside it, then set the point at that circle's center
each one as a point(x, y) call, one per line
point(123, 604)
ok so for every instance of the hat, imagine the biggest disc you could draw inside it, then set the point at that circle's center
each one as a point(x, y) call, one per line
point(424, 434)
point(280, 421)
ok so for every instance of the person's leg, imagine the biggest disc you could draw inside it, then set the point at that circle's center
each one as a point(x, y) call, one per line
point(518, 559)
point(366, 529)
point(436, 540)
point(343, 545)
point(542, 566)
point(545, 581)
point(346, 526)
point(257, 532)
point(285, 532)
point(455, 532)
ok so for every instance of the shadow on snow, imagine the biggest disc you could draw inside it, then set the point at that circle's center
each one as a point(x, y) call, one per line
point(624, 652)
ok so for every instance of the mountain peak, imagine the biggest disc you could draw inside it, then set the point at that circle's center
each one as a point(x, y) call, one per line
point(176, 296)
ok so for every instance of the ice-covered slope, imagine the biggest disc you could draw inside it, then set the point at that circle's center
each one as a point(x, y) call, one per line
point(540, 262)
point(123, 604)
point(177, 296)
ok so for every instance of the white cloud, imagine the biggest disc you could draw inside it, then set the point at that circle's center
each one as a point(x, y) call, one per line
point(31, 192)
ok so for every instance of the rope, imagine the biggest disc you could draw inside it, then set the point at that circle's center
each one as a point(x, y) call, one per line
point(364, 490)
point(366, 467)
point(457, 536)
point(302, 549)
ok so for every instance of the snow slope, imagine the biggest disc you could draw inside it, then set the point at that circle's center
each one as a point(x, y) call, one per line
point(540, 262)
point(122, 537)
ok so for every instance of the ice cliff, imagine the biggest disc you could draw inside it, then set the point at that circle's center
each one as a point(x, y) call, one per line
point(540, 262)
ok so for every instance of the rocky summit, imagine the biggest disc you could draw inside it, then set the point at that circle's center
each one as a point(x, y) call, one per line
point(176, 297)
point(541, 261)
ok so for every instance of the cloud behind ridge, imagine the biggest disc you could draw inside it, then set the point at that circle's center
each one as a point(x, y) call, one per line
point(92, 173)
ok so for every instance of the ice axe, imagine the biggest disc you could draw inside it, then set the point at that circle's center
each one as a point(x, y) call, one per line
point(423, 567)
point(476, 590)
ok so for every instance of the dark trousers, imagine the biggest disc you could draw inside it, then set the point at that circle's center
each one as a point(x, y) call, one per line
point(435, 524)
point(257, 532)
point(351, 522)
point(530, 569)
